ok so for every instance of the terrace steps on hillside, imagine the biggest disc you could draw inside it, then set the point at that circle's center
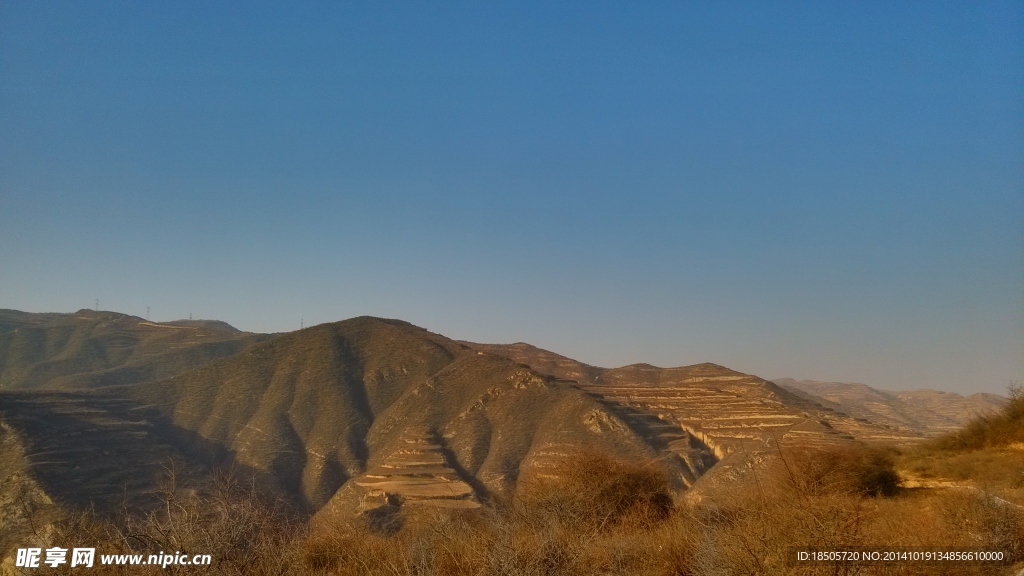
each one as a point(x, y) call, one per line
point(416, 473)
point(668, 436)
point(726, 414)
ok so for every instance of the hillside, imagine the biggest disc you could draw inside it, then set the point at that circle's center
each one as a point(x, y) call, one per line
point(340, 413)
point(88, 349)
point(724, 407)
point(928, 412)
point(367, 414)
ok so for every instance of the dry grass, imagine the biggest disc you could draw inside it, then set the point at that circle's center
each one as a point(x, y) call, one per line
point(597, 516)
point(245, 533)
point(845, 497)
point(986, 454)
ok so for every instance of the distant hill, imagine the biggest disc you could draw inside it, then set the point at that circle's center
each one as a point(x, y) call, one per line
point(88, 349)
point(929, 412)
point(208, 324)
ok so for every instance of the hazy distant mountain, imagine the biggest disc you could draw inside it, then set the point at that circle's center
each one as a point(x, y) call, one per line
point(89, 349)
point(929, 412)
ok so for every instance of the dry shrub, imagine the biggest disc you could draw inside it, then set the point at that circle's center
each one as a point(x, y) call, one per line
point(827, 497)
point(594, 515)
point(598, 516)
point(1003, 428)
point(852, 468)
point(348, 550)
point(244, 532)
point(596, 491)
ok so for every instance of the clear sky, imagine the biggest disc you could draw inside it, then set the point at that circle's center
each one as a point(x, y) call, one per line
point(822, 190)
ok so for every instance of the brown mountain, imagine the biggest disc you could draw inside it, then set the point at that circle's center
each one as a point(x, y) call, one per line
point(89, 349)
point(927, 412)
point(338, 417)
point(358, 415)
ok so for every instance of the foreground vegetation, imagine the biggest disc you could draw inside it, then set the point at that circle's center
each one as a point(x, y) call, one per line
point(987, 454)
point(600, 516)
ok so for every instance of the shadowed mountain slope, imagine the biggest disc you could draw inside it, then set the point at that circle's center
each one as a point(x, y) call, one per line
point(89, 349)
point(88, 448)
point(928, 412)
point(81, 450)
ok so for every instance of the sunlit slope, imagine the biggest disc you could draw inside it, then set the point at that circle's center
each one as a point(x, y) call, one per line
point(89, 349)
point(543, 361)
point(726, 409)
point(322, 407)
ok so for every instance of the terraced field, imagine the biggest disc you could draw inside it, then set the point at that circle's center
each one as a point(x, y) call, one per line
point(725, 410)
point(417, 473)
point(91, 450)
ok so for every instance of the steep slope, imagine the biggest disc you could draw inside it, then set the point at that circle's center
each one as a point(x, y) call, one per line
point(89, 349)
point(89, 449)
point(928, 412)
point(336, 411)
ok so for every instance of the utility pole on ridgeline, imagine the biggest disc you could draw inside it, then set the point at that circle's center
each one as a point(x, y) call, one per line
point(97, 304)
point(147, 313)
point(302, 323)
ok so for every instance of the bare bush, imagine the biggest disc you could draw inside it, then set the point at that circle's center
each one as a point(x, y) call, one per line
point(244, 532)
point(841, 469)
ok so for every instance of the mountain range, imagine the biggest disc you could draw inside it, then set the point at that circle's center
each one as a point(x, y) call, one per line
point(352, 416)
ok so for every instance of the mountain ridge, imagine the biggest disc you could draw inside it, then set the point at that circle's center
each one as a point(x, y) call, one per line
point(371, 413)
point(930, 412)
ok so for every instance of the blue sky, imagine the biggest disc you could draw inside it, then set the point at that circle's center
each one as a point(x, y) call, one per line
point(831, 191)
